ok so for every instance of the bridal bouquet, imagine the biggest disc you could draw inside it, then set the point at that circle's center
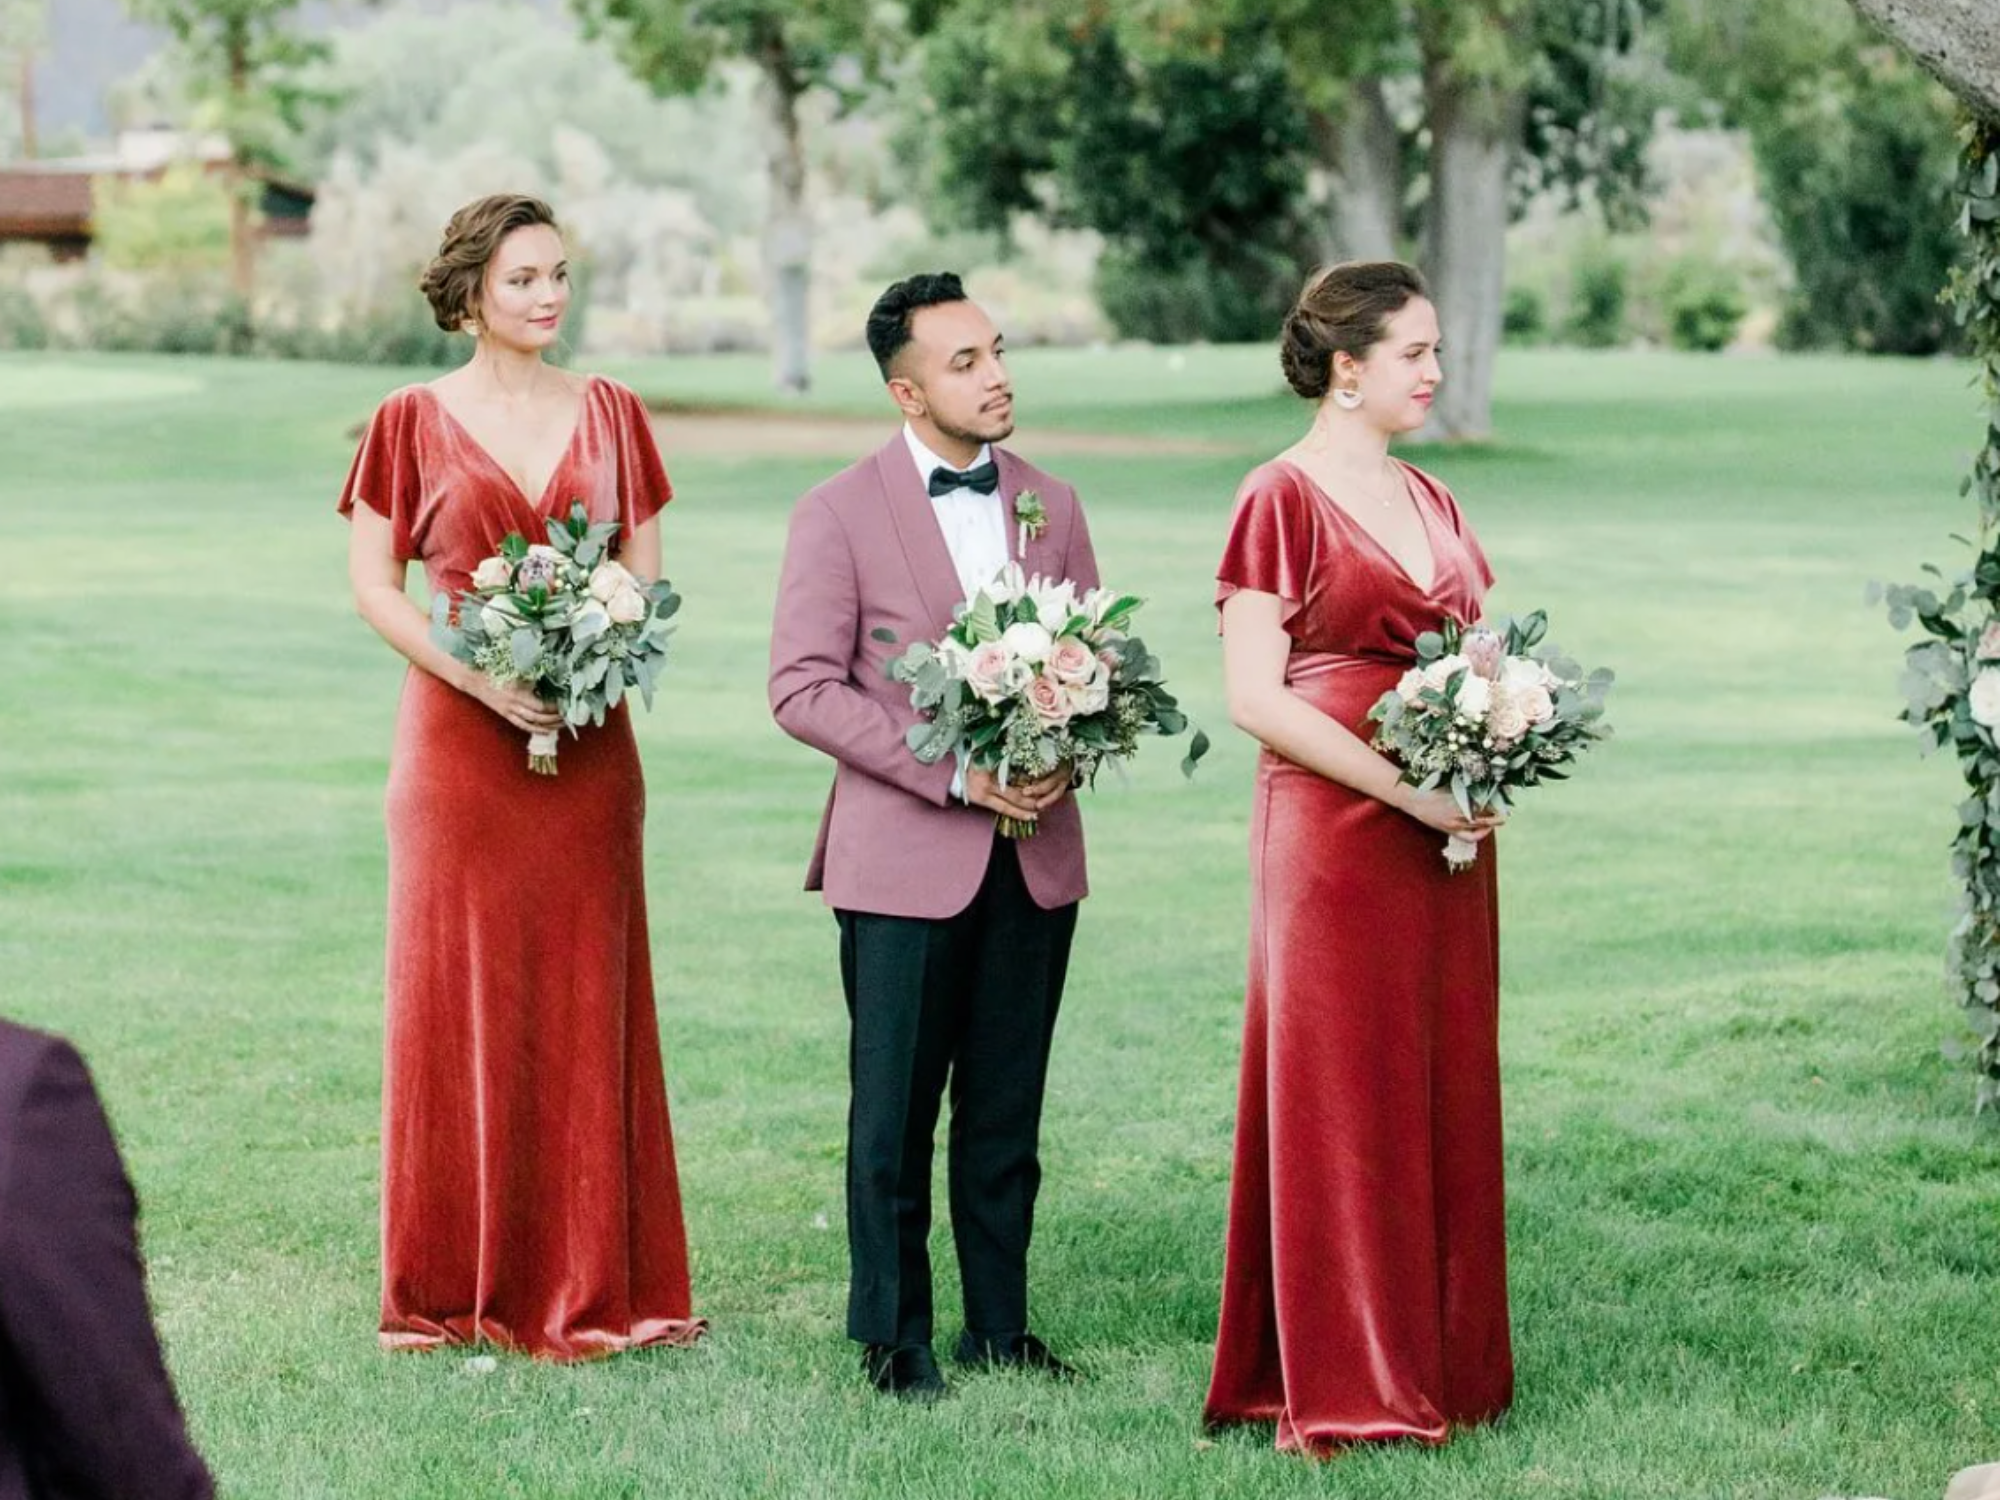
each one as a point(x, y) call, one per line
point(1031, 675)
point(565, 618)
point(1485, 712)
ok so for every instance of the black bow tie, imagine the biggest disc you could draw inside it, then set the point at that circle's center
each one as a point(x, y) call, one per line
point(985, 478)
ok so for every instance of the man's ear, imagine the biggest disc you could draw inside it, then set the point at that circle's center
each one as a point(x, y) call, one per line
point(908, 395)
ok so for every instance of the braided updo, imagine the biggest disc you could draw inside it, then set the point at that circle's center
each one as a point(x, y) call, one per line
point(1343, 309)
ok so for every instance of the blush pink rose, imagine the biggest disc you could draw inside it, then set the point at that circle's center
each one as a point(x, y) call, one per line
point(1536, 703)
point(1070, 661)
point(986, 671)
point(1506, 721)
point(1988, 649)
point(1047, 698)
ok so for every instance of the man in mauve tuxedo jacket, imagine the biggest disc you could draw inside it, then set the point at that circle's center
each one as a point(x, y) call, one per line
point(954, 941)
point(86, 1409)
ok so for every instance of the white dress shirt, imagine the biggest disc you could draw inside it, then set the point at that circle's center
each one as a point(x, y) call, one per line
point(975, 530)
point(975, 533)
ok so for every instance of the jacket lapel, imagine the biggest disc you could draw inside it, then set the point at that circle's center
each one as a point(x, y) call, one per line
point(917, 530)
point(1036, 556)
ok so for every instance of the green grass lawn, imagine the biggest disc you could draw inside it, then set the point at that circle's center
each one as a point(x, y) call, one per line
point(1755, 1231)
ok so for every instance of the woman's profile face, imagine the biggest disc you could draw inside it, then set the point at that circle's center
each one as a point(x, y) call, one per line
point(1400, 371)
point(525, 289)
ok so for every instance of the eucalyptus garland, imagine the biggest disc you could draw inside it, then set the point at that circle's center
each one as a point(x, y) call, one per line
point(1952, 676)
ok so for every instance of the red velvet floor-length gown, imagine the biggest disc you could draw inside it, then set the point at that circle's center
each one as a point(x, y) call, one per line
point(529, 1197)
point(1365, 1283)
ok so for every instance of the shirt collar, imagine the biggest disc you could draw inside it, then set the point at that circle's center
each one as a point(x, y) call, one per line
point(928, 461)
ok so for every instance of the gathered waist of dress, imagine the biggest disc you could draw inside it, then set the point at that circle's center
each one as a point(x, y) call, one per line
point(1344, 687)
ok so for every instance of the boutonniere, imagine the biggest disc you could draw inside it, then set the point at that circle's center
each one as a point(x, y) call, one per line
point(1032, 515)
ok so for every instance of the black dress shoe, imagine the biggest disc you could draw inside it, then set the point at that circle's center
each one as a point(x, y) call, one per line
point(908, 1372)
point(1023, 1351)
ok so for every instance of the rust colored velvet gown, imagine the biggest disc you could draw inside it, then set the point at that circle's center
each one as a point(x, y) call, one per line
point(529, 1197)
point(1365, 1284)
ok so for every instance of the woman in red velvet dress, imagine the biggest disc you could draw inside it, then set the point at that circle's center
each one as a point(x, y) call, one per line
point(529, 1198)
point(1365, 1287)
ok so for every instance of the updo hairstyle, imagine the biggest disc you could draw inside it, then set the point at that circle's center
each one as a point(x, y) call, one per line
point(453, 278)
point(1346, 307)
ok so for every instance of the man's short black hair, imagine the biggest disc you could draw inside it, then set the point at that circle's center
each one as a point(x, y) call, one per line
point(889, 318)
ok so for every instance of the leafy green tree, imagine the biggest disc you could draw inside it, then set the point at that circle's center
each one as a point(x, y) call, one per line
point(797, 46)
point(1854, 153)
point(1189, 160)
point(1146, 114)
point(240, 57)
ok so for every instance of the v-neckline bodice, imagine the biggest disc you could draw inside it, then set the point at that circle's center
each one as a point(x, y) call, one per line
point(537, 503)
point(1428, 590)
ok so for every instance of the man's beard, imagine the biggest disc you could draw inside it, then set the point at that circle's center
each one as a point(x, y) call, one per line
point(999, 429)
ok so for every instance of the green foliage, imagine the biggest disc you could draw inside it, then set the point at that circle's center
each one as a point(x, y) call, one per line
point(1951, 679)
point(1704, 303)
point(1524, 315)
point(241, 60)
point(1598, 296)
point(1598, 83)
point(1857, 167)
point(674, 45)
point(178, 222)
point(170, 314)
point(22, 324)
point(1190, 162)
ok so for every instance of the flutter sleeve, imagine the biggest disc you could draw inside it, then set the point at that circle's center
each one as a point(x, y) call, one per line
point(643, 486)
point(385, 475)
point(1273, 542)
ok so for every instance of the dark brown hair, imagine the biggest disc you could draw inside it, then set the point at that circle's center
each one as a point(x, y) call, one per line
point(889, 318)
point(453, 278)
point(1344, 308)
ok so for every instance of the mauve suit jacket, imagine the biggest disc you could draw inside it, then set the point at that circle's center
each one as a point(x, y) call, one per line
point(866, 553)
point(86, 1409)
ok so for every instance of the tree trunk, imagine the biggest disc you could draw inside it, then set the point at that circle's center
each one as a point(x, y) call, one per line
point(788, 220)
point(1956, 41)
point(242, 241)
point(1475, 125)
point(1365, 160)
point(29, 145)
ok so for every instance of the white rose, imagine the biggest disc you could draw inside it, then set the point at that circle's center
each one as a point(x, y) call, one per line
point(1091, 697)
point(1409, 685)
point(1439, 672)
point(494, 573)
point(1984, 697)
point(1028, 641)
point(1521, 672)
point(1474, 694)
point(607, 578)
point(626, 607)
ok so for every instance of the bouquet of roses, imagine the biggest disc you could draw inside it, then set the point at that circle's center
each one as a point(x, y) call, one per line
point(1031, 675)
point(565, 618)
point(1487, 711)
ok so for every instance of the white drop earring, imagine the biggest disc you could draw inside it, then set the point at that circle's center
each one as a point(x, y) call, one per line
point(1347, 400)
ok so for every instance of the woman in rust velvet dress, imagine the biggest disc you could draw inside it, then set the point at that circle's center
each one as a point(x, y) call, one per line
point(529, 1193)
point(1364, 1292)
